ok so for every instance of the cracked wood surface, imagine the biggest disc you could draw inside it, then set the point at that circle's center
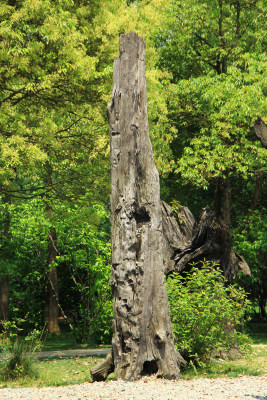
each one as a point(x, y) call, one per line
point(142, 342)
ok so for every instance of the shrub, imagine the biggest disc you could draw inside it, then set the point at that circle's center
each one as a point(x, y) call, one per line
point(207, 316)
point(18, 355)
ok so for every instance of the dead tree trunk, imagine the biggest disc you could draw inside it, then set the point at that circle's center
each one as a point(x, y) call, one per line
point(187, 241)
point(142, 342)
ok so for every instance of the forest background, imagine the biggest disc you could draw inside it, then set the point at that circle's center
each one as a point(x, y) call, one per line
point(206, 87)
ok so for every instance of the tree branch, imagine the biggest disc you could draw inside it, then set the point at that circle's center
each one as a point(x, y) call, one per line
point(204, 40)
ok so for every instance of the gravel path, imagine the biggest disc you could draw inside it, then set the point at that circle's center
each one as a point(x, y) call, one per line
point(242, 388)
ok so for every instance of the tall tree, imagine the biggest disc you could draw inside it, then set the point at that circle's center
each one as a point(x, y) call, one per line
point(214, 52)
point(49, 106)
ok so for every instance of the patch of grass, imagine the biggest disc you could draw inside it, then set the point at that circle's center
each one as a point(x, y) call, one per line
point(258, 332)
point(255, 363)
point(65, 341)
point(57, 372)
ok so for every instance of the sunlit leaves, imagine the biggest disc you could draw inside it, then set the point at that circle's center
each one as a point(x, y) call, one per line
point(220, 112)
point(206, 315)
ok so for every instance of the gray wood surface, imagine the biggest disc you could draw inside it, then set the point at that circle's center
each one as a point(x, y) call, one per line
point(143, 341)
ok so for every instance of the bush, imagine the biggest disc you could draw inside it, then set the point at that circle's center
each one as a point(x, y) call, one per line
point(250, 241)
point(18, 355)
point(207, 316)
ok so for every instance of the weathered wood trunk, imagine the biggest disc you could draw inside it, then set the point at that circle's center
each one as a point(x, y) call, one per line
point(142, 342)
point(177, 234)
point(260, 130)
point(187, 241)
point(101, 371)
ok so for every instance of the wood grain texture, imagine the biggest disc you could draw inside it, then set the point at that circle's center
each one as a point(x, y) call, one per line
point(142, 341)
point(186, 241)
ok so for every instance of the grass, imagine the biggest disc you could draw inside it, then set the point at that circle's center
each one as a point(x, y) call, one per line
point(57, 372)
point(258, 332)
point(255, 363)
point(65, 341)
point(62, 372)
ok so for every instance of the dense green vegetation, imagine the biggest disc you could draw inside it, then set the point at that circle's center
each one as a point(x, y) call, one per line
point(208, 318)
point(205, 74)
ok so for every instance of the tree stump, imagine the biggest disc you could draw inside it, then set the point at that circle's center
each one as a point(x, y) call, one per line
point(188, 241)
point(142, 342)
point(101, 371)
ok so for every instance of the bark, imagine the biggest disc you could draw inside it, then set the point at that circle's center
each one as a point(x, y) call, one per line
point(4, 302)
point(208, 238)
point(223, 200)
point(142, 342)
point(101, 371)
point(262, 305)
point(4, 279)
point(177, 234)
point(53, 293)
point(261, 131)
point(257, 190)
point(53, 310)
point(223, 61)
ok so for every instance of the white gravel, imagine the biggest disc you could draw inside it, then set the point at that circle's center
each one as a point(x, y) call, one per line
point(242, 388)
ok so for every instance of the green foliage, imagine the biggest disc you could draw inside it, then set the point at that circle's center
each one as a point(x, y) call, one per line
point(216, 116)
point(207, 316)
point(176, 210)
point(196, 37)
point(50, 113)
point(214, 52)
point(250, 241)
point(83, 265)
point(18, 355)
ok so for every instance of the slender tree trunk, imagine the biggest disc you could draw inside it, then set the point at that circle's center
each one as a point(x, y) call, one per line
point(53, 300)
point(142, 343)
point(222, 60)
point(4, 279)
point(4, 302)
point(262, 305)
point(223, 200)
point(257, 190)
point(53, 310)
